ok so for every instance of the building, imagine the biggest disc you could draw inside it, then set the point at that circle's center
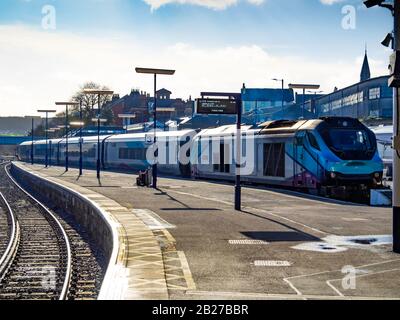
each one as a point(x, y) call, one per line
point(19, 126)
point(140, 105)
point(366, 100)
point(261, 104)
point(370, 99)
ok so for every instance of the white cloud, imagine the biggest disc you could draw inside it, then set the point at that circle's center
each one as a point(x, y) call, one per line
point(40, 67)
point(213, 4)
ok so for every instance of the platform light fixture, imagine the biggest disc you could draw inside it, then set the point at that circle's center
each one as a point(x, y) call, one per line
point(46, 111)
point(67, 105)
point(99, 93)
point(283, 91)
point(155, 72)
point(125, 118)
point(304, 87)
point(79, 124)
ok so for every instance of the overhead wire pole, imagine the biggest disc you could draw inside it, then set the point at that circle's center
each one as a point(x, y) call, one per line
point(394, 81)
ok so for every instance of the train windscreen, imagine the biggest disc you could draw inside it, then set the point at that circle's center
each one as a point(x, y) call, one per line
point(350, 144)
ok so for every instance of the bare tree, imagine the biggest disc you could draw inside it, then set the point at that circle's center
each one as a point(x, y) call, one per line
point(90, 101)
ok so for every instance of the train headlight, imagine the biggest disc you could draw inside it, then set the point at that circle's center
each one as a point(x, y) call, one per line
point(333, 175)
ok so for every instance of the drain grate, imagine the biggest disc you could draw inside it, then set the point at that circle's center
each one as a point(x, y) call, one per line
point(248, 242)
point(272, 263)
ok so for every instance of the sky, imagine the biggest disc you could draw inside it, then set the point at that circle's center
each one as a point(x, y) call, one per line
point(48, 48)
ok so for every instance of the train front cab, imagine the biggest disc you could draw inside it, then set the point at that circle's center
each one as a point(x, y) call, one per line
point(349, 157)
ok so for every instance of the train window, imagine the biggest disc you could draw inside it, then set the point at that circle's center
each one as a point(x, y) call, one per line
point(132, 154)
point(274, 159)
point(313, 141)
point(298, 141)
point(90, 153)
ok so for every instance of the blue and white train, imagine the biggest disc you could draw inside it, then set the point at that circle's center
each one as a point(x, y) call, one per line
point(329, 156)
point(384, 137)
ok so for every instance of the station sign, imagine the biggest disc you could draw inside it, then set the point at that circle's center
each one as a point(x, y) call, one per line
point(216, 106)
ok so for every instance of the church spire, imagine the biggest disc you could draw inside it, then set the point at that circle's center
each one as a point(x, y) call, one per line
point(365, 71)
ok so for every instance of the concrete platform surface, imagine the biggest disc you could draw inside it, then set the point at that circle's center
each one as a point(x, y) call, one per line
point(281, 246)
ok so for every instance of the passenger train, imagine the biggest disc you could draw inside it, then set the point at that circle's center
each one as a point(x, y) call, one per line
point(384, 137)
point(332, 156)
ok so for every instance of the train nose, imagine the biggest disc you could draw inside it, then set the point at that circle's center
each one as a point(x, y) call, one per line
point(355, 164)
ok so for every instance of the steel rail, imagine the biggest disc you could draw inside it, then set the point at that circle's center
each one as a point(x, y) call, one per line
point(68, 273)
point(13, 243)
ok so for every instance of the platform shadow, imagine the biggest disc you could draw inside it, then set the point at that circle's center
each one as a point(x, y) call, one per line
point(190, 209)
point(295, 233)
point(280, 236)
point(184, 206)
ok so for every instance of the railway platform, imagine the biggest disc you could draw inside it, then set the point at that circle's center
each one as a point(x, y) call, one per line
point(185, 241)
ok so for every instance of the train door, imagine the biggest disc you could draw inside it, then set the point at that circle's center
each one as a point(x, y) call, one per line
point(103, 153)
point(299, 171)
point(58, 153)
point(185, 169)
point(225, 157)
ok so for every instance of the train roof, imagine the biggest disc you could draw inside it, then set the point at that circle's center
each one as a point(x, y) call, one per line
point(143, 135)
point(224, 130)
point(383, 130)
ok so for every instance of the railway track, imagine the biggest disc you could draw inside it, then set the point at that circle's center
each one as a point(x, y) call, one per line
point(45, 254)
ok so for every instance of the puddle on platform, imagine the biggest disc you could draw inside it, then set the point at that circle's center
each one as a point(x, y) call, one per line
point(334, 244)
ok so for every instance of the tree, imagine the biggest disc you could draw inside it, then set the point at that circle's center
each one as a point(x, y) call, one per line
point(90, 102)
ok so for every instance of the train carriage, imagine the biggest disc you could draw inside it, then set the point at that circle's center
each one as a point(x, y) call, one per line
point(330, 156)
point(133, 152)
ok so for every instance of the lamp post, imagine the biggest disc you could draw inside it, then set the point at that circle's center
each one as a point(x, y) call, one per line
point(47, 137)
point(304, 87)
point(66, 104)
point(315, 98)
point(99, 121)
point(283, 91)
point(56, 129)
point(51, 130)
point(155, 72)
point(99, 93)
point(33, 139)
point(125, 118)
point(79, 124)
